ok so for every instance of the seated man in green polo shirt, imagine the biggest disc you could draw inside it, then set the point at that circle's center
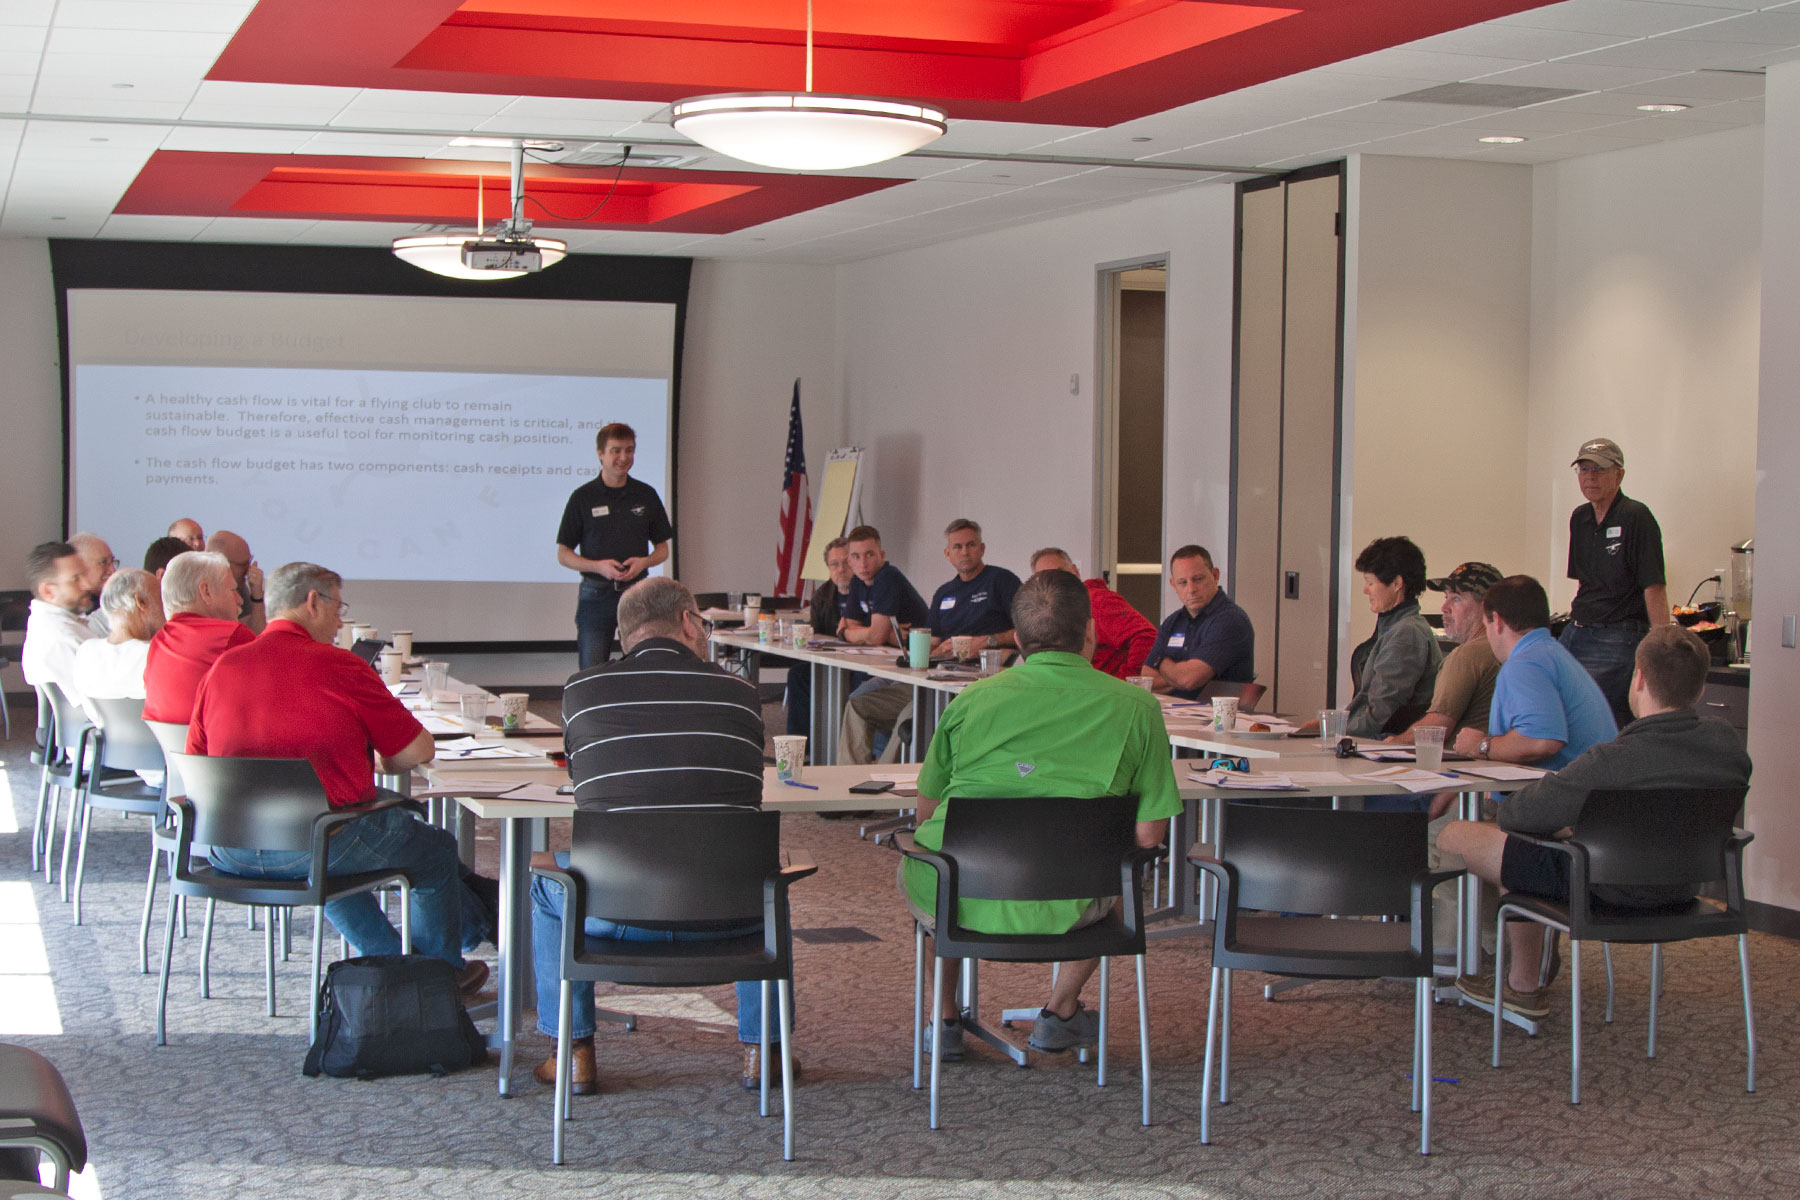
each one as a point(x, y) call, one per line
point(1051, 726)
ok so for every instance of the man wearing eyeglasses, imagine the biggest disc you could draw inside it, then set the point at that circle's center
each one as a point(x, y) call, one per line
point(98, 565)
point(660, 726)
point(1616, 558)
point(291, 693)
point(246, 576)
point(54, 629)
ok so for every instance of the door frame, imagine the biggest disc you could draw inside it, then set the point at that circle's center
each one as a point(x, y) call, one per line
point(1104, 546)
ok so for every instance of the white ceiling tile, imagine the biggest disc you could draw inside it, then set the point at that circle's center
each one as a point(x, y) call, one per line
point(49, 226)
point(125, 68)
point(65, 134)
point(274, 95)
point(137, 42)
point(372, 118)
point(1527, 42)
point(1001, 137)
point(1774, 28)
point(253, 229)
point(1704, 85)
point(1542, 118)
point(27, 12)
point(549, 127)
point(153, 228)
point(576, 109)
point(23, 44)
point(1582, 77)
point(311, 118)
point(380, 144)
point(1628, 18)
point(166, 15)
point(236, 141)
point(1663, 129)
point(388, 100)
point(17, 60)
point(1675, 54)
point(1425, 64)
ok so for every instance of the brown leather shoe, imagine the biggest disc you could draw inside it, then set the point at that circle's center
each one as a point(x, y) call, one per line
point(584, 1078)
point(753, 1069)
point(472, 978)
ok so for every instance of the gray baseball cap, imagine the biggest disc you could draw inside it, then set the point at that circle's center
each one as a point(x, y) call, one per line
point(1602, 452)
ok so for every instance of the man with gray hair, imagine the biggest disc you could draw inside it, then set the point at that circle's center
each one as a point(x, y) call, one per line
point(291, 693)
point(1051, 726)
point(660, 726)
point(201, 607)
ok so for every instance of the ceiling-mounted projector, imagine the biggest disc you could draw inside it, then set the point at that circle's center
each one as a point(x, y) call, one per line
point(502, 255)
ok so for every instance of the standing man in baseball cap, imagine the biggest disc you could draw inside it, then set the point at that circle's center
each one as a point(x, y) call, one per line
point(1616, 558)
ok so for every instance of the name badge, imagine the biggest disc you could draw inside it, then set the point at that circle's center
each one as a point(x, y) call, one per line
point(1614, 531)
point(948, 602)
point(865, 606)
point(1177, 641)
point(599, 510)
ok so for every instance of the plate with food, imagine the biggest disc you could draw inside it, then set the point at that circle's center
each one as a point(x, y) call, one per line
point(1257, 731)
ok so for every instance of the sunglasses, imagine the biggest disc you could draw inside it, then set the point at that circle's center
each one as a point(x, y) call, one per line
point(1346, 748)
point(1228, 763)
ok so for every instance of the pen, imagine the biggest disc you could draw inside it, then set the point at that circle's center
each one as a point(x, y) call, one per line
point(812, 787)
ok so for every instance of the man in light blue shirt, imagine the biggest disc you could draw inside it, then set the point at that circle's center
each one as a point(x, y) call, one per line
point(1547, 709)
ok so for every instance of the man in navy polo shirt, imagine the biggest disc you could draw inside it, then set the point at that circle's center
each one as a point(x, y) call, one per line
point(883, 604)
point(977, 603)
point(1209, 637)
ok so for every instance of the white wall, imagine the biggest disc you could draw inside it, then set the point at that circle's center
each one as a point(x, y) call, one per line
point(957, 360)
point(30, 405)
point(1646, 282)
point(1435, 405)
point(1774, 860)
point(752, 329)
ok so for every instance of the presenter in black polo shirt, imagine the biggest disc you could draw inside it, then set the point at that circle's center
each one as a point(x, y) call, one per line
point(1616, 558)
point(614, 530)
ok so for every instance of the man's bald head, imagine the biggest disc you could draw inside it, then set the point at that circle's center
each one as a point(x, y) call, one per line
point(188, 530)
point(236, 551)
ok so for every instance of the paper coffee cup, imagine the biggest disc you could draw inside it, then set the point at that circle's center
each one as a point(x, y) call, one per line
point(962, 646)
point(403, 642)
point(364, 633)
point(802, 634)
point(1224, 711)
point(391, 662)
point(346, 637)
point(512, 709)
point(790, 757)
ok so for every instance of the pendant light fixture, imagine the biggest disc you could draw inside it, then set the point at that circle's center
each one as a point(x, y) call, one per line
point(507, 251)
point(807, 131)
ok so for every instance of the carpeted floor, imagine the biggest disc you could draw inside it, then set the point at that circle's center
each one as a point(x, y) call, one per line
point(1319, 1106)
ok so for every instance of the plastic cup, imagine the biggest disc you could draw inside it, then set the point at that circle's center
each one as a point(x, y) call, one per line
point(437, 675)
point(918, 649)
point(992, 661)
point(1334, 723)
point(1224, 714)
point(790, 757)
point(1428, 747)
point(403, 642)
point(1145, 682)
point(391, 661)
point(512, 709)
point(474, 707)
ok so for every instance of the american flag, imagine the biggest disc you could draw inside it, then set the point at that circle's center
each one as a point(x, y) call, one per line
point(790, 547)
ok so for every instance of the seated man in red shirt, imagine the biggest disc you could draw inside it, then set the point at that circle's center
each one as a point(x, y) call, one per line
point(1123, 636)
point(292, 694)
point(200, 598)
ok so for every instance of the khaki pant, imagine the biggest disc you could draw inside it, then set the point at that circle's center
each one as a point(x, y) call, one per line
point(876, 710)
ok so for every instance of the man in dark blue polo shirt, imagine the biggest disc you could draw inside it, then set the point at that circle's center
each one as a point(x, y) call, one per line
point(614, 529)
point(883, 605)
point(1616, 557)
point(1209, 637)
point(977, 602)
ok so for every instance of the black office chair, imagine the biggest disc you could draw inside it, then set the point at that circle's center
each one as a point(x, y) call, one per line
point(666, 868)
point(60, 724)
point(1338, 864)
point(1019, 848)
point(1648, 837)
point(37, 1116)
point(265, 804)
point(1248, 695)
point(120, 742)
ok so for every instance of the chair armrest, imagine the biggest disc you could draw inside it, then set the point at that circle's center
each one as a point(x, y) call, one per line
point(574, 900)
point(1225, 908)
point(181, 809)
point(1423, 885)
point(1131, 883)
point(328, 821)
point(947, 891)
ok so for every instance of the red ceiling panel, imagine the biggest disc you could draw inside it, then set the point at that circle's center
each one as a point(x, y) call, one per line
point(1072, 62)
point(189, 183)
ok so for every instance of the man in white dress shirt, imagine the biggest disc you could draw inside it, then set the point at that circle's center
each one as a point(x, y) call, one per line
point(54, 629)
point(97, 558)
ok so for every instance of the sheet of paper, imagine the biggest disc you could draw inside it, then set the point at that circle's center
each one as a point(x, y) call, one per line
point(436, 723)
point(1415, 780)
point(1320, 779)
point(911, 777)
point(510, 790)
point(1238, 780)
point(465, 748)
point(1503, 771)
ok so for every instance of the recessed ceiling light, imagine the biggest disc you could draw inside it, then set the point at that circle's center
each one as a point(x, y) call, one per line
point(99, 139)
point(1663, 108)
point(1505, 139)
point(1143, 139)
point(124, 85)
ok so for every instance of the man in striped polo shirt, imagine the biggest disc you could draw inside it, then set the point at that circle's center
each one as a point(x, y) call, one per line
point(660, 726)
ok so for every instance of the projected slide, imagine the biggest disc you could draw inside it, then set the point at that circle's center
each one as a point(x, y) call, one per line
point(449, 476)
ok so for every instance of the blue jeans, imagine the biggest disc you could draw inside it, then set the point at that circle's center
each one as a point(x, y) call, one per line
point(546, 963)
point(1609, 653)
point(391, 838)
point(596, 619)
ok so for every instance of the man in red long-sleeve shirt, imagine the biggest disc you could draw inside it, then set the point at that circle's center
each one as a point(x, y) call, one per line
point(1123, 635)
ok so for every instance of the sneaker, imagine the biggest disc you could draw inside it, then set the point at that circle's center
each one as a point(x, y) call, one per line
point(1533, 1005)
point(950, 1040)
point(1051, 1034)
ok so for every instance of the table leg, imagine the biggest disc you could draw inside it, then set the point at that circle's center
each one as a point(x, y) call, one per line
point(515, 870)
point(970, 1005)
point(835, 694)
point(1185, 914)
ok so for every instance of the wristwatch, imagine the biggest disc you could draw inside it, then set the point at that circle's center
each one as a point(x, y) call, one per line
point(1481, 751)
